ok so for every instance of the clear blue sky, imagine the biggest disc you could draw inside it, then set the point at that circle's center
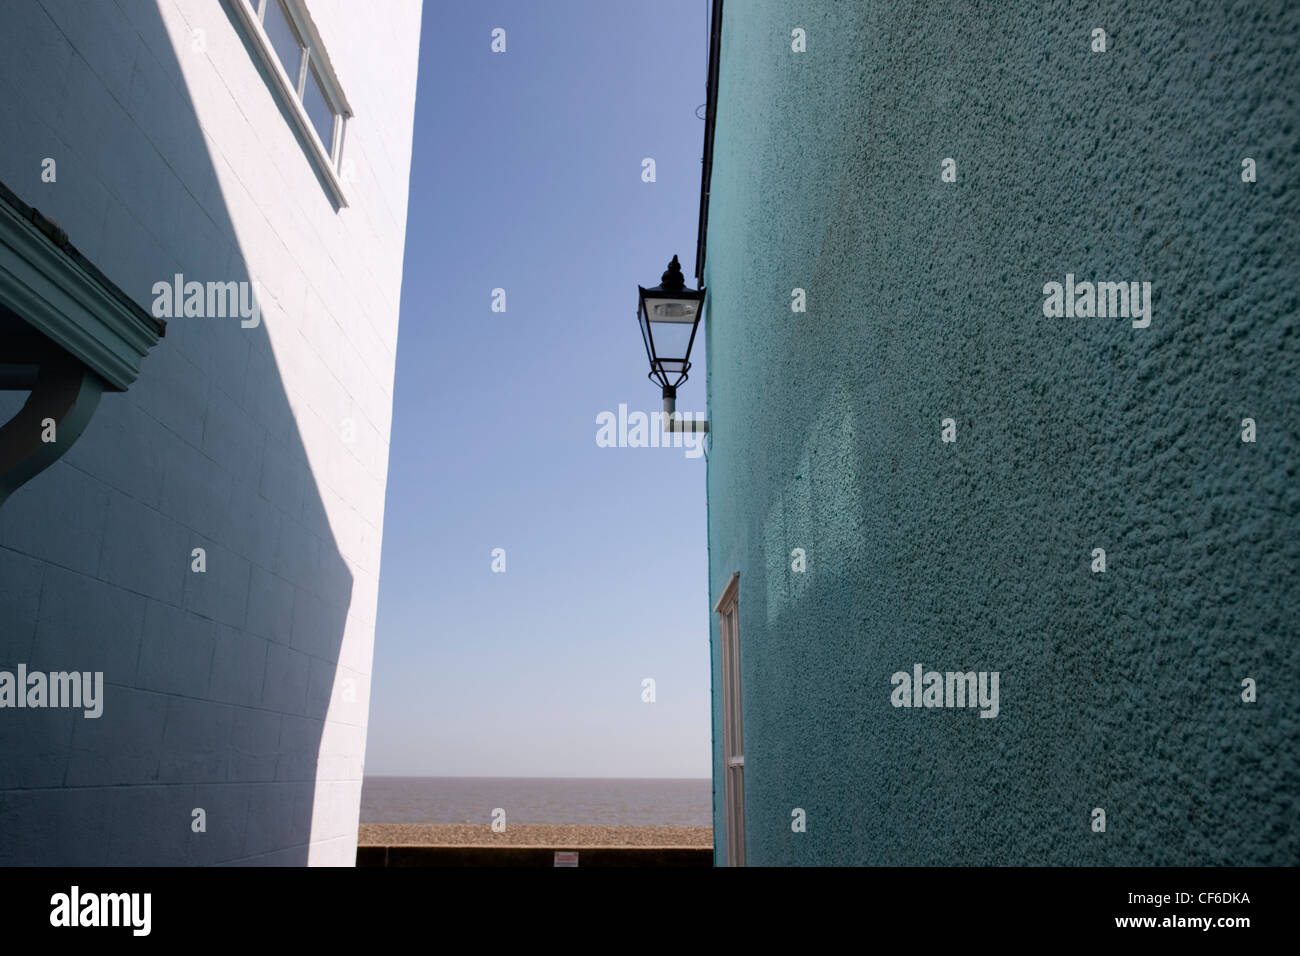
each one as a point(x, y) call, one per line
point(526, 176)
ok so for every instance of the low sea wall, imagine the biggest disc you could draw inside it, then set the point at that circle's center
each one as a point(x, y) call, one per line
point(532, 856)
point(532, 845)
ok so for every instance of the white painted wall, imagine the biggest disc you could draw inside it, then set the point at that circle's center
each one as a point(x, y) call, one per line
point(244, 690)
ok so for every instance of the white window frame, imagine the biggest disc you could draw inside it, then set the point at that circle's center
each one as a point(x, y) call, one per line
point(733, 736)
point(327, 157)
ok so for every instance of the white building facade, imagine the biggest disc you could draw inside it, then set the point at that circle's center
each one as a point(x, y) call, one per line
point(211, 542)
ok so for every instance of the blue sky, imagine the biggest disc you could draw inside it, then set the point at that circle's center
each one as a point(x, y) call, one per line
point(526, 176)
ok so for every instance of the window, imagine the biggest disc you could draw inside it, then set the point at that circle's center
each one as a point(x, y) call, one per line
point(319, 111)
point(283, 38)
point(283, 32)
point(733, 739)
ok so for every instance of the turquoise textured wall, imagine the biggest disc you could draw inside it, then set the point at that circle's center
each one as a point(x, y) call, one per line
point(925, 300)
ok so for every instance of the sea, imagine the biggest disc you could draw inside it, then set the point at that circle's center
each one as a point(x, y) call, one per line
point(615, 802)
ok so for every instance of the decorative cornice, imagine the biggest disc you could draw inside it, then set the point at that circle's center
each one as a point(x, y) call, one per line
point(51, 286)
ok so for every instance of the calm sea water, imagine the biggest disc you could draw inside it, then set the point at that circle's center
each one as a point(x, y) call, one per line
point(557, 800)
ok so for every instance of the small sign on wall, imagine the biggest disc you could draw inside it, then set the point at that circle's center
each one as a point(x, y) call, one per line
point(566, 857)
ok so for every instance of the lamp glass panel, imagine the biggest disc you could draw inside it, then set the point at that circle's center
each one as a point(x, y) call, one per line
point(671, 338)
point(672, 310)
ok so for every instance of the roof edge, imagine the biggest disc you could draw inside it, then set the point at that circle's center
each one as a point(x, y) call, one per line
point(710, 122)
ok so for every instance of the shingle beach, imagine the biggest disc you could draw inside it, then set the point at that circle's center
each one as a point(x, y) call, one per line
point(433, 834)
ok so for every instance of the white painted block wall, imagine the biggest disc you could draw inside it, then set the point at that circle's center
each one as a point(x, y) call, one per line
point(243, 690)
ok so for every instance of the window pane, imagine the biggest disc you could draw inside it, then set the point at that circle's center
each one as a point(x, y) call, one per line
point(280, 30)
point(318, 109)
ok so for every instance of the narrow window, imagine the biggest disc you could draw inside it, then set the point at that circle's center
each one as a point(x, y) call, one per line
point(318, 109)
point(733, 739)
point(283, 39)
point(286, 39)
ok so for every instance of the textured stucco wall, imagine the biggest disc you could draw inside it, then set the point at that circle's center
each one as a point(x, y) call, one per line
point(243, 690)
point(924, 301)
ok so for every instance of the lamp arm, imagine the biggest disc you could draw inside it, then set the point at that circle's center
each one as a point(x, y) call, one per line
point(675, 423)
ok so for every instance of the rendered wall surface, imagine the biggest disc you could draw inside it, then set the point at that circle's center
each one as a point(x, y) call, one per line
point(242, 690)
point(1119, 690)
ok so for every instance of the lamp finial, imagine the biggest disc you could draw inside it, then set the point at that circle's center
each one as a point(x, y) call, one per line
point(673, 280)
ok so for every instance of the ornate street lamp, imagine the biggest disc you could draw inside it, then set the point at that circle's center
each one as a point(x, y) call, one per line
point(669, 315)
